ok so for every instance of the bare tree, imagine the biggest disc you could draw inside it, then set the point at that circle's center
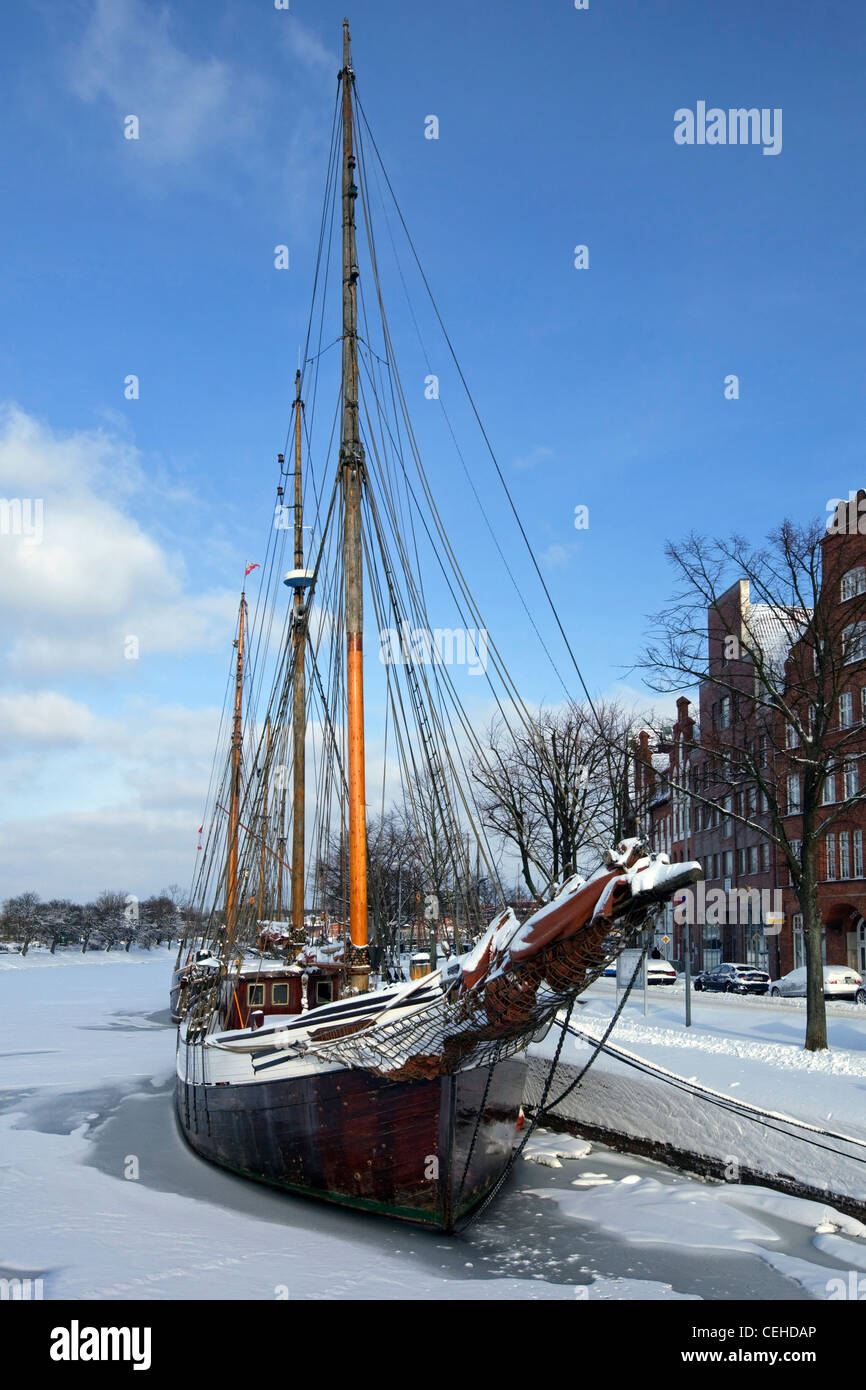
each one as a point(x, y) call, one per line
point(775, 654)
point(21, 918)
point(556, 793)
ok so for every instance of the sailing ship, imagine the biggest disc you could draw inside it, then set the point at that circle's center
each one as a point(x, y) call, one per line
point(297, 1065)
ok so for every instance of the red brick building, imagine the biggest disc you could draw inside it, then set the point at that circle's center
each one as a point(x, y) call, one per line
point(693, 783)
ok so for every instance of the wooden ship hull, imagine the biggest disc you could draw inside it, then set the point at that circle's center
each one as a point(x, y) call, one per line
point(345, 1136)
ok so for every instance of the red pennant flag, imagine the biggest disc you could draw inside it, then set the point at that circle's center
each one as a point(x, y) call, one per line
point(249, 568)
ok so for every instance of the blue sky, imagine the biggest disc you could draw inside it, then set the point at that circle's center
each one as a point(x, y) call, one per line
point(602, 387)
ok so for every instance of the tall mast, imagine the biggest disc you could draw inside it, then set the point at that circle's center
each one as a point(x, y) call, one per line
point(299, 701)
point(235, 797)
point(264, 845)
point(352, 474)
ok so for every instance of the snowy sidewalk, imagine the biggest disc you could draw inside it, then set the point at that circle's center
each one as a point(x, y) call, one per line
point(750, 1050)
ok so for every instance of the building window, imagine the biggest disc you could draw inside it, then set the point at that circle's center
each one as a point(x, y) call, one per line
point(727, 826)
point(762, 750)
point(765, 857)
point(800, 944)
point(791, 736)
point(813, 719)
point(830, 856)
point(793, 793)
point(851, 779)
point(279, 994)
point(796, 849)
point(858, 853)
point(862, 703)
point(846, 710)
point(844, 854)
point(712, 947)
point(728, 859)
point(725, 712)
point(756, 950)
point(854, 642)
point(753, 859)
point(853, 583)
point(741, 863)
point(255, 995)
point(828, 791)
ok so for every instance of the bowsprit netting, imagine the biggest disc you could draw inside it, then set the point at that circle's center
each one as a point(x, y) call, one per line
point(519, 977)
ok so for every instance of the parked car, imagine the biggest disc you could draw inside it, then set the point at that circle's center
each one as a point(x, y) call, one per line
point(658, 972)
point(840, 982)
point(733, 979)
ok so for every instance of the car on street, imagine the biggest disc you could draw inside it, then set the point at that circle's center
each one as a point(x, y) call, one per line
point(840, 982)
point(733, 978)
point(658, 972)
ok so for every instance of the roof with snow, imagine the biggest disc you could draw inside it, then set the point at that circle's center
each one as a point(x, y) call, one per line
point(774, 629)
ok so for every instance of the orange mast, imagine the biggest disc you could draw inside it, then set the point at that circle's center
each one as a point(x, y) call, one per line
point(352, 473)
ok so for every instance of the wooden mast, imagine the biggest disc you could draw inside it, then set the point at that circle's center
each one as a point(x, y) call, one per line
point(352, 474)
point(299, 697)
point(235, 797)
point(262, 861)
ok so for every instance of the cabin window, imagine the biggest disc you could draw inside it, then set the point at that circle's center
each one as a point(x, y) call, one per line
point(255, 995)
point(324, 991)
point(280, 994)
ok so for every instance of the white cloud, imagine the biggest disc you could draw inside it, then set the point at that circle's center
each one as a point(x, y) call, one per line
point(76, 855)
point(540, 453)
point(97, 577)
point(556, 557)
point(129, 58)
point(309, 49)
point(125, 793)
point(46, 718)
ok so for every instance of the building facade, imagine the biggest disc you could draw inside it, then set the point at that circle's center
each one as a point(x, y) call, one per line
point(693, 787)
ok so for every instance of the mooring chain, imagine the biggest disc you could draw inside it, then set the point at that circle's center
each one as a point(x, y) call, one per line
point(540, 1109)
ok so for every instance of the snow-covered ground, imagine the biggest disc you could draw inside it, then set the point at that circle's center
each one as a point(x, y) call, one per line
point(748, 1049)
point(103, 1200)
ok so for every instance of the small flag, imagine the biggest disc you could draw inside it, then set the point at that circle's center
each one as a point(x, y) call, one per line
point(249, 568)
point(200, 829)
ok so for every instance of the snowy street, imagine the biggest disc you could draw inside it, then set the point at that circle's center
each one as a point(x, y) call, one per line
point(101, 1198)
